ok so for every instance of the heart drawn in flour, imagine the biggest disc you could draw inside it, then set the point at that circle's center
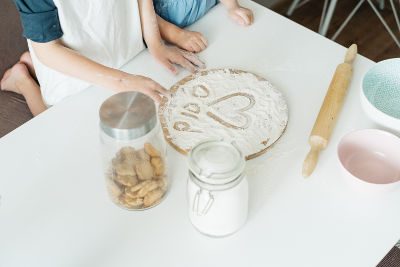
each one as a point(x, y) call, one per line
point(224, 104)
point(230, 110)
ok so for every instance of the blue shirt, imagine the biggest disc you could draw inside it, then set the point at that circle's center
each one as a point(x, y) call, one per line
point(39, 20)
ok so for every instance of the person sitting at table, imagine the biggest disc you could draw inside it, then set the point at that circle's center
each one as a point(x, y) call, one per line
point(74, 44)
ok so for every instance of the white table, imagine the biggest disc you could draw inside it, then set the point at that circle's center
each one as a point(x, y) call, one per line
point(55, 211)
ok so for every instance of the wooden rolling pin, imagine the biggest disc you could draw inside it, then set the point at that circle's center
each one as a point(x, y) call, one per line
point(329, 111)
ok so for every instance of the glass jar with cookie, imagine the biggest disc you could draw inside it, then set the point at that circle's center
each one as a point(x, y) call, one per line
point(134, 151)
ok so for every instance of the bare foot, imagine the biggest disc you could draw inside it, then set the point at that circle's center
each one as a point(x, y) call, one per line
point(5, 77)
point(14, 78)
point(19, 80)
point(27, 59)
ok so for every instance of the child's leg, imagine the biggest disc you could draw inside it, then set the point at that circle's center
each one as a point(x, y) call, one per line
point(18, 80)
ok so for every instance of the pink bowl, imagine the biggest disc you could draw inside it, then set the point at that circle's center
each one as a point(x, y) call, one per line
point(371, 155)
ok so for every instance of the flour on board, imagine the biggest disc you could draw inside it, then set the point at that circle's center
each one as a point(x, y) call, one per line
point(227, 104)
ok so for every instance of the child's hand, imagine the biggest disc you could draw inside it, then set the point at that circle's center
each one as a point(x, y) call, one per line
point(191, 41)
point(170, 55)
point(241, 15)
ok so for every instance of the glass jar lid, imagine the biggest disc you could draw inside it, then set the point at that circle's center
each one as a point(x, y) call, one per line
point(216, 162)
point(128, 115)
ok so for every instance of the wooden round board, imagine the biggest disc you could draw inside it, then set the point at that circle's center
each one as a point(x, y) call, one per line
point(233, 105)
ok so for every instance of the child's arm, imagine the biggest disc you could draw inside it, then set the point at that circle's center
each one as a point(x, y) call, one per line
point(166, 55)
point(243, 16)
point(62, 59)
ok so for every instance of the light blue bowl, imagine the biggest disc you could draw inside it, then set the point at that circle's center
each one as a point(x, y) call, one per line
point(380, 94)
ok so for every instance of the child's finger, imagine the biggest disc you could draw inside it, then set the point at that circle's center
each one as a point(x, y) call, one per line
point(195, 60)
point(245, 17)
point(251, 16)
point(196, 47)
point(186, 64)
point(189, 66)
point(204, 40)
point(201, 45)
point(191, 48)
point(241, 21)
point(169, 66)
point(237, 18)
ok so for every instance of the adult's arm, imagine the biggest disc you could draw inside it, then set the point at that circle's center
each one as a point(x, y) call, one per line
point(41, 25)
point(67, 61)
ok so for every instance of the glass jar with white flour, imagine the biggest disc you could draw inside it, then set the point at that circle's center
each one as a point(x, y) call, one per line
point(217, 188)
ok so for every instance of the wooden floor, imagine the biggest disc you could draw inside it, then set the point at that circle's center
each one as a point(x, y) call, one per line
point(365, 29)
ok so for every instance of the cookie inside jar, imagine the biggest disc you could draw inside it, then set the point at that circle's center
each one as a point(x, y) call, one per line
point(137, 178)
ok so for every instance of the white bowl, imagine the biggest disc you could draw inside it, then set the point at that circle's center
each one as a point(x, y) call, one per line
point(371, 158)
point(380, 94)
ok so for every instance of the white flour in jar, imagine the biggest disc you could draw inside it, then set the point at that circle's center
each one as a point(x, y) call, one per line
point(226, 214)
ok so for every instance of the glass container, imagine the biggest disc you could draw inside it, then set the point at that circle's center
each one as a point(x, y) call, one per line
point(134, 151)
point(217, 188)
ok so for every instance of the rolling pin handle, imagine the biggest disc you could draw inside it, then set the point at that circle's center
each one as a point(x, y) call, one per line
point(311, 161)
point(351, 54)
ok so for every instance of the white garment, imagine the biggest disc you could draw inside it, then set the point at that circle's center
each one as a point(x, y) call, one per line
point(106, 31)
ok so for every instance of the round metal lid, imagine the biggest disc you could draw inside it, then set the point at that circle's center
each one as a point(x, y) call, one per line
point(216, 162)
point(128, 115)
